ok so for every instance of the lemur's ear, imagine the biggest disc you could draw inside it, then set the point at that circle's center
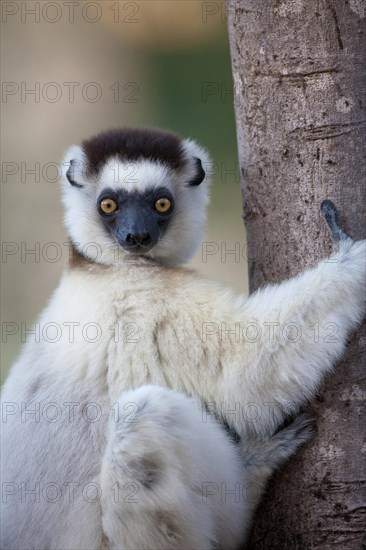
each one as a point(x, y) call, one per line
point(70, 174)
point(200, 175)
point(73, 166)
point(198, 163)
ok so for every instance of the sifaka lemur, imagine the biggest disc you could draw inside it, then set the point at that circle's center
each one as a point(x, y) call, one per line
point(118, 420)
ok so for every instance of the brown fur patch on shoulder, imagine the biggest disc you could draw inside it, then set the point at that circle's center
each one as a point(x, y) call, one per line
point(77, 260)
point(132, 144)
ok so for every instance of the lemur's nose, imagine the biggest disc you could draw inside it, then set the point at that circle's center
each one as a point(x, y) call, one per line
point(138, 238)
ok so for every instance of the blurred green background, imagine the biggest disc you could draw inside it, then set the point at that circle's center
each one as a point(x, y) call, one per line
point(69, 71)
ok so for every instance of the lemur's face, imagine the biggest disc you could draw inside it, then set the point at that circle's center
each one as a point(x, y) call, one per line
point(142, 192)
point(136, 219)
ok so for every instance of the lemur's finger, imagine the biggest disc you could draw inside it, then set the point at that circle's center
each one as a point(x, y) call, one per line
point(330, 214)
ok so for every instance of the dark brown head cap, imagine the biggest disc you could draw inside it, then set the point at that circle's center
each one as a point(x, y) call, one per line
point(132, 144)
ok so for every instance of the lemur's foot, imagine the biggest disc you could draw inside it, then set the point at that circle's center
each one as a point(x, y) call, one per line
point(330, 214)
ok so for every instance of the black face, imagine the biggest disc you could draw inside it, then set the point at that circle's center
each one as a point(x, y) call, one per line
point(136, 220)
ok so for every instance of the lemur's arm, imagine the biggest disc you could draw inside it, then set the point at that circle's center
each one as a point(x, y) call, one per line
point(290, 336)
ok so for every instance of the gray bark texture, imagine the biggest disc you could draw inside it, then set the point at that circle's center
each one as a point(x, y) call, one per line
point(299, 71)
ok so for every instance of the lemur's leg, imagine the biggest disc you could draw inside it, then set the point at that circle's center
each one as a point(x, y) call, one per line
point(262, 456)
point(168, 474)
point(305, 323)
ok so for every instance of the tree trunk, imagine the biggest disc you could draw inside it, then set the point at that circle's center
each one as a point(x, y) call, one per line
point(299, 70)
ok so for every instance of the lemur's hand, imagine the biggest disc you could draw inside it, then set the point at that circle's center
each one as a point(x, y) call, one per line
point(351, 252)
point(330, 214)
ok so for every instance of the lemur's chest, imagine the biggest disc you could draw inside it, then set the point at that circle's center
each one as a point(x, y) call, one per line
point(152, 338)
point(144, 333)
point(132, 329)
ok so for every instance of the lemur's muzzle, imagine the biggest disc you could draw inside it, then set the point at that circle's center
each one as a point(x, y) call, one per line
point(136, 229)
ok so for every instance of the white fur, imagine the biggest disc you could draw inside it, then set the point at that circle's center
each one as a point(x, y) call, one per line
point(166, 327)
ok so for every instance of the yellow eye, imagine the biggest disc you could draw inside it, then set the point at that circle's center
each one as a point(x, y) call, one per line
point(108, 206)
point(162, 205)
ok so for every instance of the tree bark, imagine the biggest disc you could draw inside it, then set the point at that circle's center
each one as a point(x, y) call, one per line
point(299, 70)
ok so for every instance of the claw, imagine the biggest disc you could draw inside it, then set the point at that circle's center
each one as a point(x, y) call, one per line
point(330, 214)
